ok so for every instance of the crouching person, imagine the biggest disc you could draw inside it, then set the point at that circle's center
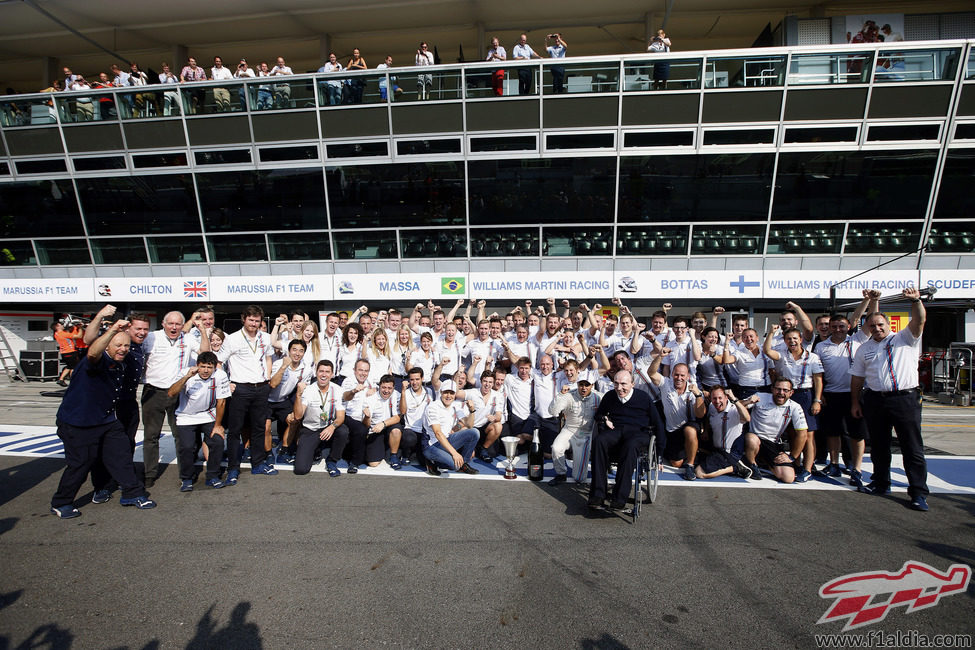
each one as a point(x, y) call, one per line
point(579, 407)
point(727, 417)
point(320, 411)
point(770, 441)
point(203, 393)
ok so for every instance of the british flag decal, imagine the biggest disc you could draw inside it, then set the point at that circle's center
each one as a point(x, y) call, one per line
point(195, 289)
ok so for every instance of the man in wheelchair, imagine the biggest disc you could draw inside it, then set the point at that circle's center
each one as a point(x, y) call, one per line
point(622, 431)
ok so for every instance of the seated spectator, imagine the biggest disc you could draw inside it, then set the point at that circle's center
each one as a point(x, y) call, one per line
point(320, 411)
point(769, 440)
point(383, 88)
point(727, 417)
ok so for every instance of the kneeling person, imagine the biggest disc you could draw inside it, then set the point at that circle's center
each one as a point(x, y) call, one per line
point(381, 417)
point(320, 411)
point(767, 440)
point(727, 417)
point(203, 393)
point(449, 436)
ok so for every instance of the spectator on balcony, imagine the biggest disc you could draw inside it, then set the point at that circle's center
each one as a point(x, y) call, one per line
point(190, 73)
point(85, 111)
point(333, 87)
point(660, 44)
point(120, 79)
point(170, 97)
point(497, 53)
point(424, 82)
point(69, 78)
point(522, 50)
point(282, 92)
point(557, 51)
point(383, 89)
point(143, 101)
point(106, 103)
point(263, 90)
point(221, 95)
point(356, 84)
point(243, 72)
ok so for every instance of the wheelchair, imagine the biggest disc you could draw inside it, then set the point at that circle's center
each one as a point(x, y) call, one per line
point(647, 477)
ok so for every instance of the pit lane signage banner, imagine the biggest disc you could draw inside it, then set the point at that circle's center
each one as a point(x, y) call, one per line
point(815, 284)
point(144, 289)
point(589, 285)
point(674, 285)
point(47, 290)
point(950, 284)
point(413, 287)
point(272, 287)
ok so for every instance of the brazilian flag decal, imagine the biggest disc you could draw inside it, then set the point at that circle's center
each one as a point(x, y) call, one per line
point(451, 285)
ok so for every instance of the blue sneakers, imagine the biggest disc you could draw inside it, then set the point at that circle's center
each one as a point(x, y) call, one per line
point(265, 469)
point(65, 512)
point(333, 469)
point(186, 485)
point(214, 483)
point(140, 502)
point(919, 503)
point(101, 496)
point(232, 476)
point(394, 461)
point(803, 476)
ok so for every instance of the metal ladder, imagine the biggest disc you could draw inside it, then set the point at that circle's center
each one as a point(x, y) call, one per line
point(8, 360)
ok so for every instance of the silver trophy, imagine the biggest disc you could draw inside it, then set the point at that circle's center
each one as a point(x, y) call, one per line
point(511, 452)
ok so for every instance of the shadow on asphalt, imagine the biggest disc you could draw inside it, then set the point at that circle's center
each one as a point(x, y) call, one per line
point(16, 480)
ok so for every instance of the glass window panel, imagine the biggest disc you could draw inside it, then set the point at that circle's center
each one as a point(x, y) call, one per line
point(971, 65)
point(649, 240)
point(237, 248)
point(366, 244)
point(130, 205)
point(714, 187)
point(955, 197)
point(577, 241)
point(659, 139)
point(581, 141)
point(916, 65)
point(176, 250)
point(357, 150)
point(31, 207)
point(805, 239)
point(280, 95)
point(29, 111)
point(670, 74)
point(41, 166)
point(965, 132)
point(952, 237)
point(437, 243)
point(579, 78)
point(838, 68)
point(339, 88)
point(847, 185)
point(87, 106)
point(227, 157)
point(142, 104)
point(14, 252)
point(299, 246)
point(97, 164)
point(121, 250)
point(56, 252)
point(510, 242)
point(722, 240)
point(739, 136)
point(275, 154)
point(207, 99)
point(821, 134)
point(403, 194)
point(5, 169)
point(160, 160)
point(903, 132)
point(512, 143)
point(426, 147)
point(285, 199)
point(437, 84)
point(555, 190)
point(747, 71)
point(875, 238)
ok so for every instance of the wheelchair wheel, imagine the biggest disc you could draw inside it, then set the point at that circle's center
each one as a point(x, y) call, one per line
point(653, 471)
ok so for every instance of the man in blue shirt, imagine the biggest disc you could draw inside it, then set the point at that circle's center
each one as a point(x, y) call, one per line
point(89, 428)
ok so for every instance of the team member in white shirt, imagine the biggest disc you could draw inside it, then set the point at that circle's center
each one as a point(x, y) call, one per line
point(684, 348)
point(449, 438)
point(683, 404)
point(414, 399)
point(488, 413)
point(804, 369)
point(202, 392)
point(248, 353)
point(579, 408)
point(727, 417)
point(168, 353)
point(751, 364)
point(321, 413)
point(355, 390)
point(886, 365)
point(286, 373)
point(382, 420)
point(221, 95)
point(766, 440)
point(331, 339)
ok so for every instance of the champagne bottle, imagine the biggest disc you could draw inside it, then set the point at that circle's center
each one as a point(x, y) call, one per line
point(536, 462)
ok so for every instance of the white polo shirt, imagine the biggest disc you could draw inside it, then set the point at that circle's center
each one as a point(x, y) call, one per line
point(330, 347)
point(519, 395)
point(322, 406)
point(545, 391)
point(446, 416)
point(753, 370)
point(726, 426)
point(837, 359)
point(247, 356)
point(166, 359)
point(769, 420)
point(800, 371)
point(678, 407)
point(290, 378)
point(198, 399)
point(484, 405)
point(353, 408)
point(890, 364)
point(381, 409)
point(416, 407)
